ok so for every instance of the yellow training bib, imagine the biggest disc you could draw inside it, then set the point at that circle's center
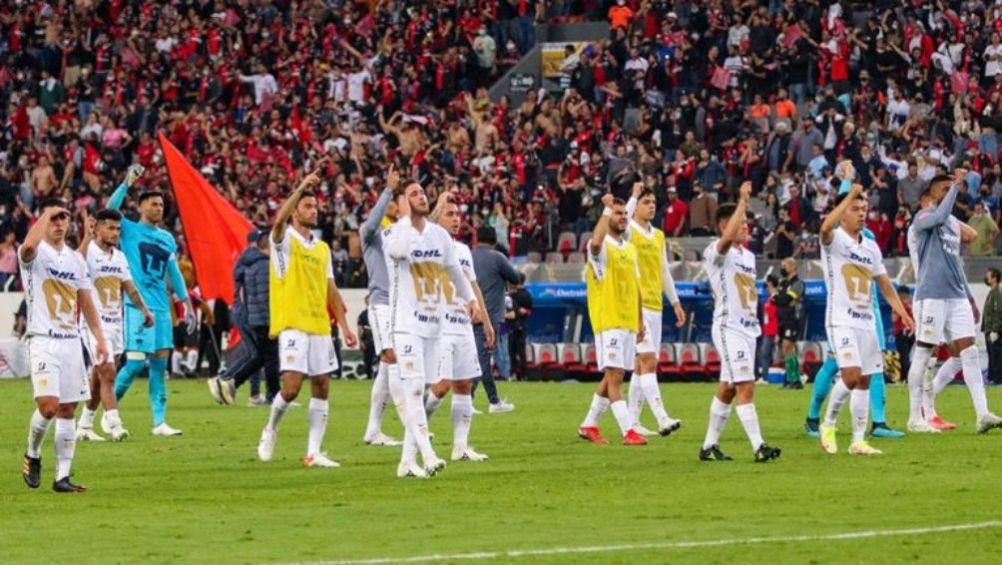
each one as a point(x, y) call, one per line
point(613, 301)
point(650, 257)
point(299, 299)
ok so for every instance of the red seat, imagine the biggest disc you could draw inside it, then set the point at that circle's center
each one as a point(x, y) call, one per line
point(546, 354)
point(666, 360)
point(711, 359)
point(690, 361)
point(591, 357)
point(570, 357)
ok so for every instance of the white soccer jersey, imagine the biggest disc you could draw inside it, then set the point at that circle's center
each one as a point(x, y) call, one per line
point(456, 320)
point(850, 266)
point(51, 281)
point(108, 272)
point(732, 280)
point(420, 284)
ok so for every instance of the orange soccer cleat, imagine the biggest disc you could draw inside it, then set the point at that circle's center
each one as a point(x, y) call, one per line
point(633, 438)
point(592, 434)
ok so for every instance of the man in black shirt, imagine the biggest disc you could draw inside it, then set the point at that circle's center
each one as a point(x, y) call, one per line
point(522, 303)
point(789, 306)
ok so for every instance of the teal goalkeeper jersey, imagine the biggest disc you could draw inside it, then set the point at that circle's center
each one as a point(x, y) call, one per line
point(152, 256)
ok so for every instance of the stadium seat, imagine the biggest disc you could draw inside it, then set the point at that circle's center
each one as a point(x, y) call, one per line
point(690, 361)
point(554, 258)
point(811, 357)
point(576, 258)
point(583, 242)
point(711, 360)
point(591, 358)
point(534, 257)
point(570, 358)
point(545, 354)
point(667, 364)
point(567, 242)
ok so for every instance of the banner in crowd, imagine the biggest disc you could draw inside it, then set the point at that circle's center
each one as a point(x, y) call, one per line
point(552, 56)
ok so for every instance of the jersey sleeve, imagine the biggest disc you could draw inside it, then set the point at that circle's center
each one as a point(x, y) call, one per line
point(711, 255)
point(598, 262)
point(280, 251)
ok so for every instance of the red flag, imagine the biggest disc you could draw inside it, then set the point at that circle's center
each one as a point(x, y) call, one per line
point(215, 231)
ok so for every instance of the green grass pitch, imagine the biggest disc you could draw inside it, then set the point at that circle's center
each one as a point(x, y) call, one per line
point(204, 497)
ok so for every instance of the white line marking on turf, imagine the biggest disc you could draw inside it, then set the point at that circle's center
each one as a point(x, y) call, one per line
point(482, 555)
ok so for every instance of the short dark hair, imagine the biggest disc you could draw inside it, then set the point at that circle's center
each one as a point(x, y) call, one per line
point(645, 193)
point(307, 193)
point(618, 202)
point(725, 211)
point(51, 202)
point(146, 195)
point(486, 234)
point(844, 195)
point(995, 273)
point(108, 215)
point(940, 178)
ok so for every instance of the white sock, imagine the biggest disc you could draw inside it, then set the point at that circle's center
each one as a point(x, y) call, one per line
point(278, 408)
point(599, 404)
point(175, 362)
point(408, 455)
point(431, 403)
point(916, 377)
point(66, 442)
point(622, 414)
point(719, 412)
point(973, 379)
point(114, 420)
point(192, 361)
point(749, 421)
point(635, 398)
point(87, 418)
point(319, 409)
point(377, 401)
point(37, 428)
point(859, 406)
point(837, 399)
point(652, 394)
point(417, 420)
point(462, 414)
point(947, 371)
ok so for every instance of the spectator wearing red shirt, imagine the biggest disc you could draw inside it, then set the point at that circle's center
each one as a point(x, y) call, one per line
point(770, 328)
point(675, 214)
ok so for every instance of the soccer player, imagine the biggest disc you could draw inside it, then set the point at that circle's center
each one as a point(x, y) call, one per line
point(302, 289)
point(850, 262)
point(109, 275)
point(614, 307)
point(151, 254)
point(56, 285)
point(731, 271)
point(458, 365)
point(942, 304)
point(379, 308)
point(422, 261)
point(655, 279)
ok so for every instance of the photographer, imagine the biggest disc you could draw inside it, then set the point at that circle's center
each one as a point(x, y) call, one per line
point(789, 309)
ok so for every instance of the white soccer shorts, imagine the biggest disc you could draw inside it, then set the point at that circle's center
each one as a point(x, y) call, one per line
point(855, 347)
point(57, 369)
point(616, 349)
point(737, 355)
point(941, 321)
point(652, 331)
point(310, 354)
point(113, 335)
point(380, 316)
point(417, 356)
point(458, 358)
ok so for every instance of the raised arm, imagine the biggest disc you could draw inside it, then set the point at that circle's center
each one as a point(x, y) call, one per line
point(732, 231)
point(118, 197)
point(602, 228)
point(29, 249)
point(833, 219)
point(631, 204)
point(370, 227)
point(925, 220)
point(285, 212)
point(89, 224)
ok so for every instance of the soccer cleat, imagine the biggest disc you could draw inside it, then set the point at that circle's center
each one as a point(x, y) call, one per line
point(65, 485)
point(165, 431)
point(921, 427)
point(257, 400)
point(592, 434)
point(829, 443)
point(119, 434)
point(461, 453)
point(863, 448)
point(713, 453)
point(633, 438)
point(765, 453)
point(941, 424)
point(88, 434)
point(811, 427)
point(214, 390)
point(988, 422)
point(412, 469)
point(383, 440)
point(433, 466)
point(644, 431)
point(228, 390)
point(671, 426)
point(883, 431)
point(32, 472)
point(795, 385)
point(320, 460)
point(476, 411)
point(501, 407)
point(266, 447)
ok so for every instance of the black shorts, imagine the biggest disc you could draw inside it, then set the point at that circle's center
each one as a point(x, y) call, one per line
point(184, 339)
point(789, 332)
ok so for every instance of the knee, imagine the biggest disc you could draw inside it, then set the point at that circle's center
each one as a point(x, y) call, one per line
point(462, 387)
point(48, 408)
point(66, 411)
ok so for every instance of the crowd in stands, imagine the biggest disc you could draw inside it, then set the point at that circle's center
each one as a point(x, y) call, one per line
point(691, 96)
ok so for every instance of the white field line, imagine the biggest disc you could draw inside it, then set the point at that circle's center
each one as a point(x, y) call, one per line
point(482, 555)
